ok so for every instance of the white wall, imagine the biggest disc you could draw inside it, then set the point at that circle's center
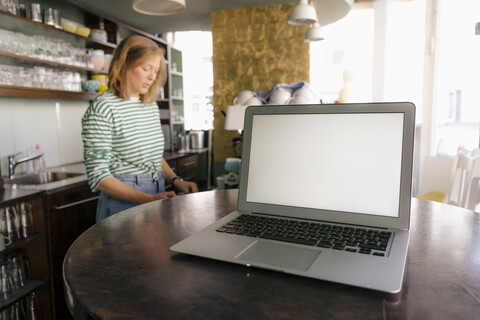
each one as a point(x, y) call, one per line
point(55, 125)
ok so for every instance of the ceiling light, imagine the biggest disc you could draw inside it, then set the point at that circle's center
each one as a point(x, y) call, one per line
point(302, 13)
point(329, 11)
point(158, 7)
point(314, 33)
point(477, 29)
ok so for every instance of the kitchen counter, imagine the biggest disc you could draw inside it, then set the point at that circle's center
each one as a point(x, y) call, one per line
point(16, 192)
point(11, 193)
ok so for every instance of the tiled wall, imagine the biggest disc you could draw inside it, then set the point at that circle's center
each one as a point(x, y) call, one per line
point(55, 125)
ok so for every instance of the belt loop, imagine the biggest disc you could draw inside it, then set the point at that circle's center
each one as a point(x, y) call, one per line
point(136, 179)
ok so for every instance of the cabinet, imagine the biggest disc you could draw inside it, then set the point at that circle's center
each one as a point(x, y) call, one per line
point(70, 213)
point(176, 99)
point(184, 165)
point(33, 253)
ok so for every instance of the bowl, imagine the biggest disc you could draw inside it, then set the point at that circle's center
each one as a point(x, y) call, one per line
point(102, 87)
point(90, 85)
point(69, 26)
point(83, 31)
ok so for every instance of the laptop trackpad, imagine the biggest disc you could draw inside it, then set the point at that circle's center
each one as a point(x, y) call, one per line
point(278, 255)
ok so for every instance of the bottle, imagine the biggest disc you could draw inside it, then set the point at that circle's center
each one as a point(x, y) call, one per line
point(40, 162)
point(232, 173)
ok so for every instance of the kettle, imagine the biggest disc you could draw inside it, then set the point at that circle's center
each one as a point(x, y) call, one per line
point(196, 139)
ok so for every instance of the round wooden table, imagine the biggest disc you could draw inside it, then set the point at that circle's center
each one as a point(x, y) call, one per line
point(122, 268)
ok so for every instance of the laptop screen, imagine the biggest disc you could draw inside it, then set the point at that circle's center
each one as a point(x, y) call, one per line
point(340, 162)
point(347, 163)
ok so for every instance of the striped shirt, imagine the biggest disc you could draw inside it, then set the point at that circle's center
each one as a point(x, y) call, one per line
point(121, 136)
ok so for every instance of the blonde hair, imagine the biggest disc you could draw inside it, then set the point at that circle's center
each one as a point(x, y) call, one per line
point(129, 54)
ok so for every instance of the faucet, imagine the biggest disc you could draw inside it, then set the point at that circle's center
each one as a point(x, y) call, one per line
point(12, 163)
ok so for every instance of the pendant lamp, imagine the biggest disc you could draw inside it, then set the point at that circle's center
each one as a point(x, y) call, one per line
point(329, 11)
point(302, 13)
point(158, 7)
point(315, 33)
point(477, 29)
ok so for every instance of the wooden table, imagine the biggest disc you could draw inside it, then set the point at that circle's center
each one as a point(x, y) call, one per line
point(122, 268)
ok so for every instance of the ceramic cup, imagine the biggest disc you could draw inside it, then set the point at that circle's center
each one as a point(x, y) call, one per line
point(304, 92)
point(243, 96)
point(253, 101)
point(299, 100)
point(280, 96)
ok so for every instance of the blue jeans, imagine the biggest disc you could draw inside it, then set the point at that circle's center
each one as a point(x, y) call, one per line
point(108, 206)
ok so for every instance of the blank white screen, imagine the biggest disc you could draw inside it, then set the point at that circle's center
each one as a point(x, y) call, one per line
point(340, 162)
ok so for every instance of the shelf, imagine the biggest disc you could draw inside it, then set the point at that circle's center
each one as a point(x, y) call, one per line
point(36, 93)
point(176, 73)
point(33, 26)
point(177, 98)
point(19, 244)
point(46, 62)
point(30, 286)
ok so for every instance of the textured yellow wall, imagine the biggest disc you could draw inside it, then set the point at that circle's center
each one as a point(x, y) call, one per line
point(253, 49)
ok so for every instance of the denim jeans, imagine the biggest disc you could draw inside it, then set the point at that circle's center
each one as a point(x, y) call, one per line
point(108, 206)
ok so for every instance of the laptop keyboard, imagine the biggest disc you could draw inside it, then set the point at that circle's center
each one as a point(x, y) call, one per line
point(337, 237)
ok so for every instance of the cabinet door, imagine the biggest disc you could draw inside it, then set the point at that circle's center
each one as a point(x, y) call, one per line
point(70, 214)
point(187, 168)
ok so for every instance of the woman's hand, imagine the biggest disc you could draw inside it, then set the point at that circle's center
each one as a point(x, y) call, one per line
point(164, 195)
point(185, 186)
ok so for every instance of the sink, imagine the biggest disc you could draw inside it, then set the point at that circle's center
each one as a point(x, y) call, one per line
point(41, 178)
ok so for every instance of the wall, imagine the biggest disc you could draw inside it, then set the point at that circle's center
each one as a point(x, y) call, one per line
point(55, 125)
point(253, 49)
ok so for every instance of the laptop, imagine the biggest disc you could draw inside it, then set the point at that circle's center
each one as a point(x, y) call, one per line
point(324, 192)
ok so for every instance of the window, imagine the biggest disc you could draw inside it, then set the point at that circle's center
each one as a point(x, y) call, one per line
point(346, 53)
point(196, 47)
point(457, 81)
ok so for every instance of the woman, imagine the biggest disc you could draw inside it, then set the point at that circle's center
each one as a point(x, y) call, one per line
point(122, 135)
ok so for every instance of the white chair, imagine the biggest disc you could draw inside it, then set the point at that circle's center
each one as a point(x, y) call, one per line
point(473, 195)
point(460, 178)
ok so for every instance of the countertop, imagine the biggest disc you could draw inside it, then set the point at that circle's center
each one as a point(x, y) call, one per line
point(16, 192)
point(12, 193)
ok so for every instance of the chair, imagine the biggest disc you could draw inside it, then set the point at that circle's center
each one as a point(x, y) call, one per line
point(460, 178)
point(473, 196)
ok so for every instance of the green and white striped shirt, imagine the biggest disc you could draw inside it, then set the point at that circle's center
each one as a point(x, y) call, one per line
point(121, 136)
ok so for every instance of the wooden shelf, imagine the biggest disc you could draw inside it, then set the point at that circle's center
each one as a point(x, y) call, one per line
point(30, 286)
point(16, 245)
point(24, 92)
point(46, 62)
point(4, 24)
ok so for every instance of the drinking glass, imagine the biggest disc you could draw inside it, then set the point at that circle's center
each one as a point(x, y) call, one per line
point(6, 286)
point(12, 231)
point(31, 306)
point(40, 77)
point(39, 43)
point(17, 271)
point(27, 219)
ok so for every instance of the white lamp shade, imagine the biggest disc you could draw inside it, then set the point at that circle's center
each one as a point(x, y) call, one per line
point(329, 11)
point(158, 7)
point(315, 33)
point(235, 117)
point(303, 13)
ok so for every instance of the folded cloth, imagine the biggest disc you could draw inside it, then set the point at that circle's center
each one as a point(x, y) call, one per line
point(265, 95)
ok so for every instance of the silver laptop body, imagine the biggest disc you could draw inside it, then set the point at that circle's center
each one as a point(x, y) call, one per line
point(346, 165)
